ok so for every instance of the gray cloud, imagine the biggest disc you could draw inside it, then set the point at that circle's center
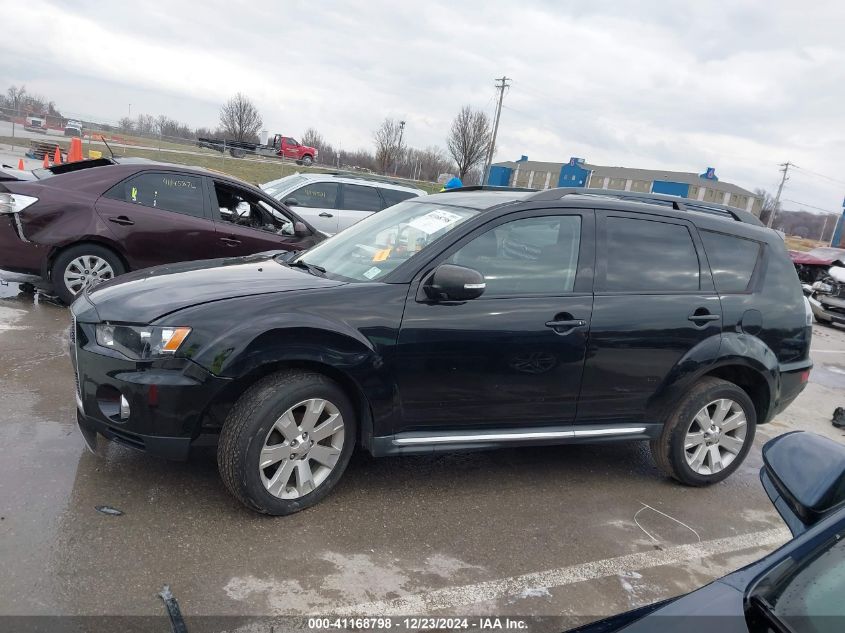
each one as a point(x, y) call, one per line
point(740, 86)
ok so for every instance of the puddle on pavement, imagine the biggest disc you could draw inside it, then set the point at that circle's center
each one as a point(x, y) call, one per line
point(830, 375)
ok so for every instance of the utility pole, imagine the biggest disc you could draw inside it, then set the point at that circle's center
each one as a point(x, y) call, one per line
point(501, 84)
point(783, 180)
point(399, 148)
point(824, 228)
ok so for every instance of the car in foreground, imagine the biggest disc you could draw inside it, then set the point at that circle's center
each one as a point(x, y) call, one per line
point(456, 321)
point(332, 202)
point(796, 589)
point(71, 230)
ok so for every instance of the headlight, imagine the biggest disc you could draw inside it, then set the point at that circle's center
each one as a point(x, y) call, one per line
point(142, 342)
point(15, 202)
point(823, 287)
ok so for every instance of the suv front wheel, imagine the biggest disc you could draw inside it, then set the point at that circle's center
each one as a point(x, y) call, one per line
point(286, 442)
point(708, 434)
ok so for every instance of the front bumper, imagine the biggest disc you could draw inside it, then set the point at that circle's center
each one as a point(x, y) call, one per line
point(829, 309)
point(167, 398)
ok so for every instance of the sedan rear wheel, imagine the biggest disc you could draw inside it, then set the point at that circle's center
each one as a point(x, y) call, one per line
point(83, 266)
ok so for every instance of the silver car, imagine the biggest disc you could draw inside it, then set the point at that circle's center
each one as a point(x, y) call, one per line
point(333, 202)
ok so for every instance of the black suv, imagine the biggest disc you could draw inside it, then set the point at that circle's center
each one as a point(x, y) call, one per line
point(451, 322)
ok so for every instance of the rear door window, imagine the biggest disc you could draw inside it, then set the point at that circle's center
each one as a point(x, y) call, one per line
point(317, 195)
point(732, 260)
point(650, 256)
point(360, 198)
point(180, 193)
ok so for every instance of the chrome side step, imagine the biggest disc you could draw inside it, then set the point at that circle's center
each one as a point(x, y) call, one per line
point(484, 437)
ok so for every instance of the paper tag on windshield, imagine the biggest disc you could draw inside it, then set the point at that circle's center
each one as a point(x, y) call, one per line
point(434, 221)
point(372, 272)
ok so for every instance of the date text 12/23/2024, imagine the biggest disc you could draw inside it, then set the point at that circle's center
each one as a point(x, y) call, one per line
point(408, 623)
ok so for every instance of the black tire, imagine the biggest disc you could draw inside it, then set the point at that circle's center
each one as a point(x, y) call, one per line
point(668, 450)
point(251, 420)
point(60, 263)
point(307, 160)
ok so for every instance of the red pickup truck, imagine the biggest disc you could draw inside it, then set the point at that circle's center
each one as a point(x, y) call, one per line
point(284, 146)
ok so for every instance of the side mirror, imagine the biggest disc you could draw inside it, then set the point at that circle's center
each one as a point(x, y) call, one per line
point(300, 230)
point(292, 202)
point(455, 283)
point(804, 476)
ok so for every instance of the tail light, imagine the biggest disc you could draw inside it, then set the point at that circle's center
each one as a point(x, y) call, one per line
point(15, 202)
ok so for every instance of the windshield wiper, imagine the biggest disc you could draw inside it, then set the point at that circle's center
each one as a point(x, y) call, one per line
point(767, 612)
point(319, 271)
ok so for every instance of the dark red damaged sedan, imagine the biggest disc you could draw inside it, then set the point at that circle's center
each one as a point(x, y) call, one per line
point(72, 230)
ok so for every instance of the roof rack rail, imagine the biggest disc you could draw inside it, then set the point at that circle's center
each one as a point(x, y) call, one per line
point(676, 202)
point(373, 177)
point(488, 188)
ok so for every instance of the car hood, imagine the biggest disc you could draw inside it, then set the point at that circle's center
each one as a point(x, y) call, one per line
point(798, 257)
point(146, 295)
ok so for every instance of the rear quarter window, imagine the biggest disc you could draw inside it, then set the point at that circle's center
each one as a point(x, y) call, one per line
point(732, 260)
point(394, 196)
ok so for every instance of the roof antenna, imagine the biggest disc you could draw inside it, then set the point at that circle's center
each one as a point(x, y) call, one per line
point(103, 139)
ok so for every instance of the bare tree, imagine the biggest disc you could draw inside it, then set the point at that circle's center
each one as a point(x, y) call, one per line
point(126, 124)
point(386, 138)
point(469, 139)
point(240, 119)
point(312, 138)
point(768, 205)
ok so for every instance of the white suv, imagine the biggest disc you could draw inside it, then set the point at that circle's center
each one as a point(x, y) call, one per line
point(333, 202)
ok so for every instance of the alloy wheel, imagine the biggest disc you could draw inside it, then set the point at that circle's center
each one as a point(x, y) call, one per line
point(301, 449)
point(85, 271)
point(715, 436)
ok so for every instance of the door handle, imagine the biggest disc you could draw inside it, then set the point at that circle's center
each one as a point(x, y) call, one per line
point(702, 316)
point(325, 214)
point(565, 326)
point(122, 220)
point(230, 241)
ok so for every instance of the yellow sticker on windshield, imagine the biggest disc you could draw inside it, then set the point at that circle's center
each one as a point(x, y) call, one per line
point(382, 255)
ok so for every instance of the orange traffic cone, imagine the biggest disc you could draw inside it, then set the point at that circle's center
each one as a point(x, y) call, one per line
point(20, 164)
point(46, 162)
point(57, 157)
point(75, 150)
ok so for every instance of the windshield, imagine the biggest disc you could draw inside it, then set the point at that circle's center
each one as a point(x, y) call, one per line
point(280, 186)
point(374, 247)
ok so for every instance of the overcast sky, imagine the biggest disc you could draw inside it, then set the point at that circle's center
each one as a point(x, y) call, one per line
point(740, 86)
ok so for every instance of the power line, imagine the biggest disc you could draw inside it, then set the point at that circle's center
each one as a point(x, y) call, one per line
point(815, 173)
point(809, 206)
point(501, 84)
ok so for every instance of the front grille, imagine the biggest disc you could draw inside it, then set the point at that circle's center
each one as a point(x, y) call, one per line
point(74, 355)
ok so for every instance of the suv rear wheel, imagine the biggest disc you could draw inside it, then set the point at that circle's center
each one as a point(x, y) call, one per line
point(81, 266)
point(286, 442)
point(708, 434)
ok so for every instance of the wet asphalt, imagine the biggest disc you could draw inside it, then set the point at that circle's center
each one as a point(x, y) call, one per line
point(460, 533)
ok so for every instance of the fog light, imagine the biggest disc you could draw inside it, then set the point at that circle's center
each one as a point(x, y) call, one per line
point(124, 408)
